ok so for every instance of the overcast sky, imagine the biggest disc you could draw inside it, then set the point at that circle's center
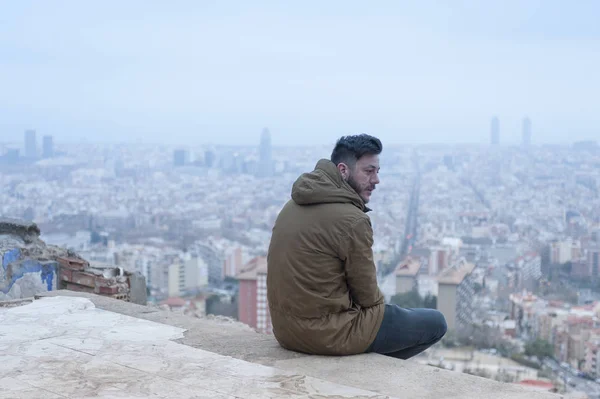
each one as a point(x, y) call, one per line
point(219, 71)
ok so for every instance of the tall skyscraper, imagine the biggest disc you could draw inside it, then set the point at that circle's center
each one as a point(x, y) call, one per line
point(179, 157)
point(209, 158)
point(265, 168)
point(48, 147)
point(526, 132)
point(495, 131)
point(30, 144)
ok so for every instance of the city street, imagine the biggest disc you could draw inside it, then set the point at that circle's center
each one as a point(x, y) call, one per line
point(574, 383)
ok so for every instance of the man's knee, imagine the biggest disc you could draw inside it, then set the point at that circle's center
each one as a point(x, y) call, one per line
point(439, 324)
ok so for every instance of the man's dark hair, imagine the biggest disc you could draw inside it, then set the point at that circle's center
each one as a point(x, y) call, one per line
point(350, 149)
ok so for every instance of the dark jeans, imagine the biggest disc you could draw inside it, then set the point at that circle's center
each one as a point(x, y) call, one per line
point(405, 333)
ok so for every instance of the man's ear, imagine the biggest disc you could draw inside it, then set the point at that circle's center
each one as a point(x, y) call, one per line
point(344, 170)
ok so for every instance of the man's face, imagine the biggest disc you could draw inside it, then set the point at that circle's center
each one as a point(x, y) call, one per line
point(364, 176)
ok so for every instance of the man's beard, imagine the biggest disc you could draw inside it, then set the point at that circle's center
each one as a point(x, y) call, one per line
point(352, 183)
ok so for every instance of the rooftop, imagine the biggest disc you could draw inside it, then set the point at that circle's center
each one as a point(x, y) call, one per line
point(455, 275)
point(251, 270)
point(408, 267)
point(71, 344)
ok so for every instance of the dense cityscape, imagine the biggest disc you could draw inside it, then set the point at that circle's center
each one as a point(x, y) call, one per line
point(504, 240)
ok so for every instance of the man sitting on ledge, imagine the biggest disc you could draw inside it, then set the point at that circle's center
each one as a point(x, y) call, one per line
point(321, 280)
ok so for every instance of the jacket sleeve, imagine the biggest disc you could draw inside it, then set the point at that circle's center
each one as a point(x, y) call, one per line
point(361, 274)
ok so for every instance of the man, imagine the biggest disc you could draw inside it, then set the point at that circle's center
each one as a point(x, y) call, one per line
point(321, 280)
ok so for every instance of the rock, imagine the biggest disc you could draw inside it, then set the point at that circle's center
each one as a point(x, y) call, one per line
point(28, 232)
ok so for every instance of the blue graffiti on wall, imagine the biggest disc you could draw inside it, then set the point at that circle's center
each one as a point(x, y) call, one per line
point(47, 271)
point(10, 256)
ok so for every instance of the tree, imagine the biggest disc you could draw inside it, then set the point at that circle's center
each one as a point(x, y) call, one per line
point(539, 348)
point(210, 302)
point(409, 299)
point(231, 280)
point(430, 301)
point(95, 237)
point(412, 299)
point(567, 267)
point(450, 340)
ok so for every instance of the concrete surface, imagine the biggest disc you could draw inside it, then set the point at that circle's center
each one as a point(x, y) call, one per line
point(372, 372)
point(64, 347)
point(405, 379)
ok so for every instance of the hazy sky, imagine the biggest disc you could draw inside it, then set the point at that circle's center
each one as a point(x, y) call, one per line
point(219, 71)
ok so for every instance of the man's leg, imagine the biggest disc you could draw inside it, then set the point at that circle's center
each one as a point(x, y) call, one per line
point(405, 333)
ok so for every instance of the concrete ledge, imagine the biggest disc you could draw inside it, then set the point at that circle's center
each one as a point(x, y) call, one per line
point(405, 378)
point(381, 374)
point(225, 337)
point(13, 303)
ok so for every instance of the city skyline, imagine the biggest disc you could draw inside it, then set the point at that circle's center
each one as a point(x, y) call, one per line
point(495, 135)
point(425, 72)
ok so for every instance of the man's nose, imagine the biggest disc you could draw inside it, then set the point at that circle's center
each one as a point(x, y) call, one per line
point(375, 179)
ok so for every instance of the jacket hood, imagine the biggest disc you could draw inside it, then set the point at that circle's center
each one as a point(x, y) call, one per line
point(325, 185)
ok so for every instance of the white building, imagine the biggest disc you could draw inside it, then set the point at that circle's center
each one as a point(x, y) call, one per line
point(188, 275)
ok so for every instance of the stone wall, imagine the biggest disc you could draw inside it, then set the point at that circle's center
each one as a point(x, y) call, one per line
point(30, 267)
point(78, 275)
point(24, 277)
